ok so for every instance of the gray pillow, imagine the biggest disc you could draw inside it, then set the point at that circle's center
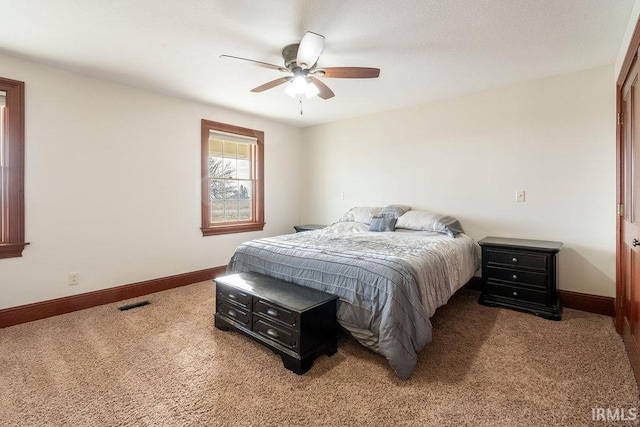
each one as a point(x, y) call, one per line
point(360, 214)
point(382, 224)
point(429, 221)
point(394, 211)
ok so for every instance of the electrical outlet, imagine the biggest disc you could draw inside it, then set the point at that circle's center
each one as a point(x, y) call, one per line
point(74, 278)
point(520, 196)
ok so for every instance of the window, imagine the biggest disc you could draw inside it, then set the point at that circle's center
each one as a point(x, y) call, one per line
point(11, 168)
point(232, 179)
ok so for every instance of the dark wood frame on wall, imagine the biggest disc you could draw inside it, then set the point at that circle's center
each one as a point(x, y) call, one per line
point(12, 234)
point(257, 224)
point(629, 341)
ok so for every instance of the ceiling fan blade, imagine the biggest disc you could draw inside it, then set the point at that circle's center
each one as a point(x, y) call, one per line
point(325, 92)
point(309, 50)
point(258, 63)
point(271, 84)
point(348, 72)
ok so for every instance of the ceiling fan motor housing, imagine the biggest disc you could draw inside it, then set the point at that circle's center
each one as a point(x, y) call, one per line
point(289, 54)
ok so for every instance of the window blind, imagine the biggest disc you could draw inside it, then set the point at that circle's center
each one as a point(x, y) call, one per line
point(232, 137)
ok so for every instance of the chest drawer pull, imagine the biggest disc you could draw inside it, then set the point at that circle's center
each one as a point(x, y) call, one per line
point(232, 313)
point(514, 277)
point(514, 259)
point(273, 333)
point(232, 295)
point(515, 294)
point(273, 312)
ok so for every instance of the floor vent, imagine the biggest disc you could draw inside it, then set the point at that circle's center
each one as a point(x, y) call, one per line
point(134, 305)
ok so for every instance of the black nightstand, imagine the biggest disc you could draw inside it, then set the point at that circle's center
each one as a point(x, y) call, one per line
point(308, 227)
point(521, 274)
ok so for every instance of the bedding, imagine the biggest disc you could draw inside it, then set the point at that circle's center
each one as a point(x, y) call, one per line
point(389, 283)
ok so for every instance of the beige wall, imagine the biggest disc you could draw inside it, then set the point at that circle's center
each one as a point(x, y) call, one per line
point(553, 138)
point(113, 185)
point(113, 178)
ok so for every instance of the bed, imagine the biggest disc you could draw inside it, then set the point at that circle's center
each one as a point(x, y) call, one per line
point(389, 281)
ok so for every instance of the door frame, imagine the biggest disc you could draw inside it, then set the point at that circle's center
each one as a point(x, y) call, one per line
point(630, 57)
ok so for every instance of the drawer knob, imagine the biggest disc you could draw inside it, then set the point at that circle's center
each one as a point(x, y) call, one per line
point(273, 312)
point(514, 259)
point(232, 313)
point(232, 295)
point(515, 294)
point(273, 333)
point(514, 277)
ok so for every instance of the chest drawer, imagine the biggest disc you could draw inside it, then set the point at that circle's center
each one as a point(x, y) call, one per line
point(275, 313)
point(234, 313)
point(517, 276)
point(234, 295)
point(275, 332)
point(516, 259)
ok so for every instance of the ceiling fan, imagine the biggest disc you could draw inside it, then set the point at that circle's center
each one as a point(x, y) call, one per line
point(300, 62)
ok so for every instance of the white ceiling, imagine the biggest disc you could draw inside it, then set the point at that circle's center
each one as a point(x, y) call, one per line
point(426, 49)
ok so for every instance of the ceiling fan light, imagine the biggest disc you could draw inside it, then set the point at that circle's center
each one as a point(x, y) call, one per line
point(299, 84)
point(290, 90)
point(311, 90)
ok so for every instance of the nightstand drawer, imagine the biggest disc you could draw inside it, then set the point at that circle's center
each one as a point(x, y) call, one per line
point(234, 313)
point(516, 259)
point(517, 293)
point(232, 294)
point(275, 313)
point(277, 333)
point(517, 276)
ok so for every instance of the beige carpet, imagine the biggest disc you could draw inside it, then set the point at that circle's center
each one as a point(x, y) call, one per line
point(165, 364)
